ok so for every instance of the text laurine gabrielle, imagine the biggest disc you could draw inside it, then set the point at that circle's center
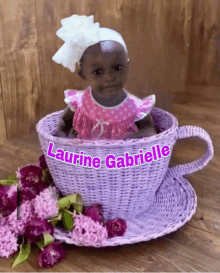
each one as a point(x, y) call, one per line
point(111, 161)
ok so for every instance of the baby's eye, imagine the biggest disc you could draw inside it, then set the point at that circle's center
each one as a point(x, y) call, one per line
point(117, 67)
point(98, 71)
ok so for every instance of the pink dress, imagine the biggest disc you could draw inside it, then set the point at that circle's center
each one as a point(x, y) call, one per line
point(94, 121)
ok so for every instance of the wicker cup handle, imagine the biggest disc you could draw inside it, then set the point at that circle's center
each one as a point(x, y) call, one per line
point(188, 168)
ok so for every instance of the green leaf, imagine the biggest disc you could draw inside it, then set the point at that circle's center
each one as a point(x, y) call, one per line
point(46, 175)
point(7, 182)
point(78, 205)
point(47, 240)
point(64, 202)
point(67, 220)
point(11, 177)
point(73, 199)
point(25, 250)
point(57, 218)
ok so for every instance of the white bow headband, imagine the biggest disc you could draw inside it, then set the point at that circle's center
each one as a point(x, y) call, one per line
point(78, 33)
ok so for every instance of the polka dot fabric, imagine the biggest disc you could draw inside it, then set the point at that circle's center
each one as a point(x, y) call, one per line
point(92, 120)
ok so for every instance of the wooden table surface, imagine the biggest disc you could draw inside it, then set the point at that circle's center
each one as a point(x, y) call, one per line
point(194, 247)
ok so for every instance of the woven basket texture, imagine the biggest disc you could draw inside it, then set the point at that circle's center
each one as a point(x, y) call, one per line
point(127, 192)
point(174, 205)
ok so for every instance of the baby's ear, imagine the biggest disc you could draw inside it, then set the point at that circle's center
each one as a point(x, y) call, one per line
point(81, 74)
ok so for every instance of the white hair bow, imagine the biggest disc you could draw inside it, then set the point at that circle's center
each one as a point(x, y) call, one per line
point(78, 33)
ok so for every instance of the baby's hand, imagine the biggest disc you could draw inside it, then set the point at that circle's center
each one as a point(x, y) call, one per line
point(146, 128)
point(65, 128)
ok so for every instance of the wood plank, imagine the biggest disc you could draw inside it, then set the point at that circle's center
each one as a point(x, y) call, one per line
point(156, 44)
point(29, 140)
point(205, 243)
point(2, 116)
point(20, 76)
point(212, 31)
point(176, 43)
point(204, 61)
point(206, 218)
point(161, 254)
point(13, 156)
point(54, 77)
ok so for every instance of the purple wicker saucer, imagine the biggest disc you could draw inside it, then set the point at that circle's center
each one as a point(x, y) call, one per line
point(174, 204)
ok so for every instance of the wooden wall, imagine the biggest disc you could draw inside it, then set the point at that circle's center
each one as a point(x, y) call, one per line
point(170, 43)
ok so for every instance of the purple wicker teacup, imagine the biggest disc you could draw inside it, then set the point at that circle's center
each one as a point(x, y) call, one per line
point(123, 192)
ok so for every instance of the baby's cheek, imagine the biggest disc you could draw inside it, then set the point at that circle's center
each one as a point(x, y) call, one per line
point(92, 83)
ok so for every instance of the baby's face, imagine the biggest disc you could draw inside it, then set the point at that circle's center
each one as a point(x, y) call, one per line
point(105, 67)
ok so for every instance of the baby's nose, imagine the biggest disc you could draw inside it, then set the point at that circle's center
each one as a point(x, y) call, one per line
point(109, 77)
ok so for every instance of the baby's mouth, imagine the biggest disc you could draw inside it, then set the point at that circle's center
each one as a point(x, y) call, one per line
point(115, 86)
point(110, 86)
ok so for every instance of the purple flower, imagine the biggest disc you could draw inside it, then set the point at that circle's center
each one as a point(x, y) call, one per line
point(94, 212)
point(29, 175)
point(8, 199)
point(35, 229)
point(87, 232)
point(3, 197)
point(40, 187)
point(43, 163)
point(24, 171)
point(8, 242)
point(116, 227)
point(52, 255)
point(27, 194)
point(45, 203)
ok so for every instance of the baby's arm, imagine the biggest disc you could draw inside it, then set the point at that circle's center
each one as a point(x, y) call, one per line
point(65, 124)
point(145, 128)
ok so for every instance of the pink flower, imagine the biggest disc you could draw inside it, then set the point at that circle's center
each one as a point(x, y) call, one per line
point(116, 227)
point(87, 232)
point(35, 228)
point(29, 175)
point(18, 219)
point(12, 190)
point(52, 255)
point(94, 212)
point(46, 204)
point(8, 242)
point(42, 162)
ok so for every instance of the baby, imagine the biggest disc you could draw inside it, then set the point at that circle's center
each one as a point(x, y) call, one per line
point(105, 109)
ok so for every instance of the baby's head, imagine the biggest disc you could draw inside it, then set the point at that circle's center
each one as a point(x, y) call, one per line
point(105, 67)
point(100, 52)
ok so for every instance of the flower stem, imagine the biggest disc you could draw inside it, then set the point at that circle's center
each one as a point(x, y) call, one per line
point(41, 248)
point(66, 210)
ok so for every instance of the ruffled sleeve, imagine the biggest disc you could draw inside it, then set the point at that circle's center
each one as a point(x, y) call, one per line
point(72, 99)
point(145, 107)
